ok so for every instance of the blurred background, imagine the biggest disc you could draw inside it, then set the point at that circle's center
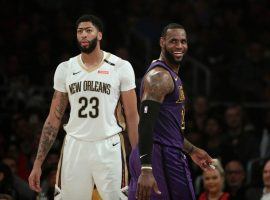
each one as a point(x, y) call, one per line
point(226, 72)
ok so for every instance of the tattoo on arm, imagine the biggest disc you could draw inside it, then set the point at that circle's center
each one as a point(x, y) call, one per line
point(188, 147)
point(157, 84)
point(51, 126)
point(60, 108)
point(48, 136)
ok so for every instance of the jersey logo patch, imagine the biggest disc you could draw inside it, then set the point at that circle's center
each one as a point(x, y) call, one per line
point(74, 73)
point(114, 144)
point(181, 97)
point(103, 72)
point(110, 63)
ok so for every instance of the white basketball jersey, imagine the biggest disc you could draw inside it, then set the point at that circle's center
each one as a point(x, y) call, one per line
point(93, 95)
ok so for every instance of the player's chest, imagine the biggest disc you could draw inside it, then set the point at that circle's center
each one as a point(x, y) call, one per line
point(102, 74)
point(101, 80)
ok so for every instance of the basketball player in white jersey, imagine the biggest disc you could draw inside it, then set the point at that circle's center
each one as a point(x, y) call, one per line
point(93, 83)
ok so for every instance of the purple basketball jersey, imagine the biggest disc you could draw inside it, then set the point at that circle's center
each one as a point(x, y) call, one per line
point(170, 124)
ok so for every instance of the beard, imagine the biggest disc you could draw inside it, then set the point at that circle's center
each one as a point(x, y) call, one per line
point(91, 46)
point(171, 58)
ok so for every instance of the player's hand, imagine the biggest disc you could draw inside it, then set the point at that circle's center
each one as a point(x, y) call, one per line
point(146, 183)
point(34, 178)
point(202, 159)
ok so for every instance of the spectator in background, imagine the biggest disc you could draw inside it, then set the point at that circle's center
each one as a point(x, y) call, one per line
point(199, 114)
point(265, 139)
point(235, 177)
point(15, 152)
point(213, 136)
point(213, 182)
point(6, 182)
point(261, 193)
point(247, 73)
point(238, 136)
point(266, 181)
point(20, 185)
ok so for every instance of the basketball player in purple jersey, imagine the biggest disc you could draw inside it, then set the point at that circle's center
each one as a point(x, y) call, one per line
point(159, 168)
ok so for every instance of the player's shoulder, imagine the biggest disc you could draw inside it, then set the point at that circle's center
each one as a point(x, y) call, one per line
point(157, 69)
point(115, 60)
point(67, 63)
point(157, 65)
point(158, 72)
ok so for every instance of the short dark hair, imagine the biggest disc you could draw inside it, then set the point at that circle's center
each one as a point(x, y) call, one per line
point(171, 26)
point(91, 18)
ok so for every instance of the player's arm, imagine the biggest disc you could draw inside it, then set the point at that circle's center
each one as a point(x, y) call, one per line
point(188, 147)
point(48, 135)
point(198, 155)
point(129, 101)
point(157, 84)
point(51, 125)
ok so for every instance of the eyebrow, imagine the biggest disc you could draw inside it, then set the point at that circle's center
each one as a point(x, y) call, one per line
point(85, 27)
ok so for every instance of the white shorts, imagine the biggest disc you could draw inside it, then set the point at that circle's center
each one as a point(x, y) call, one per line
point(85, 164)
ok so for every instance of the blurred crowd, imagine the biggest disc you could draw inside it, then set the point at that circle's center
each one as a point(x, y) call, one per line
point(230, 37)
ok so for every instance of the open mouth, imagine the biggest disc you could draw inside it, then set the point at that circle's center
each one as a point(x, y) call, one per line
point(178, 54)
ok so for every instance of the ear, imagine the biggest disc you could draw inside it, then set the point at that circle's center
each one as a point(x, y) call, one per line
point(99, 36)
point(162, 42)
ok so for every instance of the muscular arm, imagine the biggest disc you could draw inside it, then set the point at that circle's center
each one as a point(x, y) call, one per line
point(188, 146)
point(129, 101)
point(157, 84)
point(51, 125)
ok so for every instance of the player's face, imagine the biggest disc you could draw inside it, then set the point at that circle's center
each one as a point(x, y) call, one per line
point(174, 45)
point(88, 37)
point(266, 175)
point(212, 181)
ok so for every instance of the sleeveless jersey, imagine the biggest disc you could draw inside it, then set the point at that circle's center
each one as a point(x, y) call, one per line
point(170, 125)
point(93, 95)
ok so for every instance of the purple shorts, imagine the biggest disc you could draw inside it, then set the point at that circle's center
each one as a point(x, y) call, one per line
point(170, 169)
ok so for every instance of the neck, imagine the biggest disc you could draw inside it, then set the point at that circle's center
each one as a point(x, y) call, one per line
point(234, 189)
point(214, 196)
point(174, 67)
point(92, 59)
point(235, 131)
point(267, 189)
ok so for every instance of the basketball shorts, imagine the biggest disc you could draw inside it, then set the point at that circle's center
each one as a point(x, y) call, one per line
point(171, 171)
point(85, 164)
